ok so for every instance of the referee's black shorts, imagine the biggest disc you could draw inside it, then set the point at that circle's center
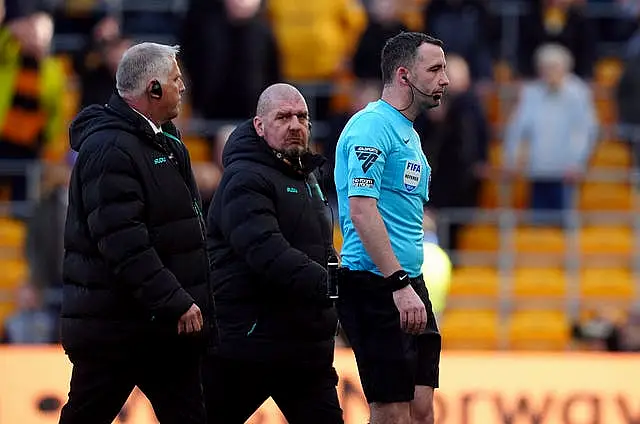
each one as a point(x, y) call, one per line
point(390, 362)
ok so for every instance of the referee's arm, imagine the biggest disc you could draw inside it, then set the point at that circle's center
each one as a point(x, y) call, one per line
point(371, 229)
point(364, 180)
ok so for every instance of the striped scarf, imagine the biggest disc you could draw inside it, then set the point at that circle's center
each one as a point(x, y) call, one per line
point(25, 120)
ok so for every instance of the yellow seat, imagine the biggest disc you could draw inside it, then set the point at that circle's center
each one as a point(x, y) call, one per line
point(611, 154)
point(606, 240)
point(470, 329)
point(539, 240)
point(474, 281)
point(611, 283)
point(12, 233)
point(479, 238)
point(517, 196)
point(605, 196)
point(539, 330)
point(539, 282)
point(13, 273)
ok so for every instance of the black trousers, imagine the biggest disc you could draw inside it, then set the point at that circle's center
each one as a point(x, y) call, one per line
point(171, 382)
point(235, 389)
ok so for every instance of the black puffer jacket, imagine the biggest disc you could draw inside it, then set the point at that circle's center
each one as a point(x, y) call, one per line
point(135, 257)
point(269, 239)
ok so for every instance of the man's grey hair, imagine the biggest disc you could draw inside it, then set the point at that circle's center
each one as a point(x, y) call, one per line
point(555, 54)
point(143, 63)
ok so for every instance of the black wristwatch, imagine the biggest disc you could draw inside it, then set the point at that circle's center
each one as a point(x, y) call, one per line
point(398, 280)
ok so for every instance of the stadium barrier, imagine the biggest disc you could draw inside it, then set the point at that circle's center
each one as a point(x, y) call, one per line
point(476, 388)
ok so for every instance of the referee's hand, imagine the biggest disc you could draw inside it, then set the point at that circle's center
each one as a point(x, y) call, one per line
point(191, 321)
point(413, 314)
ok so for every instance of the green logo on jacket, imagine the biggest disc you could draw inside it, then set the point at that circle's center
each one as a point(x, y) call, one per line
point(158, 161)
point(292, 190)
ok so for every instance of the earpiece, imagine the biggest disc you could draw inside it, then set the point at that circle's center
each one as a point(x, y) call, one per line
point(156, 89)
point(413, 87)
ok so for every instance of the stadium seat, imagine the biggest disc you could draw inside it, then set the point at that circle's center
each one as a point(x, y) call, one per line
point(539, 240)
point(14, 273)
point(599, 196)
point(607, 283)
point(611, 154)
point(539, 282)
point(12, 233)
point(538, 330)
point(606, 240)
point(479, 238)
point(517, 196)
point(470, 329)
point(474, 281)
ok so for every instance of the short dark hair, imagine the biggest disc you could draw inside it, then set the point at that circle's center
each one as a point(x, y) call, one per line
point(400, 50)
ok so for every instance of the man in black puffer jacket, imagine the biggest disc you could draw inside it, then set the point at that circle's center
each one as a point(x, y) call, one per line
point(135, 269)
point(269, 241)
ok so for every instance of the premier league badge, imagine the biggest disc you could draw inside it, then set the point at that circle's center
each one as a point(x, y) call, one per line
point(412, 174)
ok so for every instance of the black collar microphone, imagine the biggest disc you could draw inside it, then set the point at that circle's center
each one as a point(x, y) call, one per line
point(413, 87)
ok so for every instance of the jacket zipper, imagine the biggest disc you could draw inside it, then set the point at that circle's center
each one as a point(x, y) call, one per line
point(198, 212)
point(199, 216)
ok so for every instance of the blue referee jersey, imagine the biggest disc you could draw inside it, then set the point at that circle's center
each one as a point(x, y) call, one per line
point(379, 155)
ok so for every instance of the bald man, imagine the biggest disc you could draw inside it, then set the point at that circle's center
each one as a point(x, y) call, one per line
point(269, 242)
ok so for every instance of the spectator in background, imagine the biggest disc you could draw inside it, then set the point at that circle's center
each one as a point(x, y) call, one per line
point(455, 138)
point(44, 246)
point(627, 96)
point(230, 56)
point(556, 115)
point(466, 27)
point(31, 323)
point(156, 22)
point(32, 88)
point(317, 39)
point(383, 24)
point(96, 64)
point(76, 18)
point(603, 332)
point(562, 22)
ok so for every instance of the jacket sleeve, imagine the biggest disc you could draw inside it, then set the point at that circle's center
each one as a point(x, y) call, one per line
point(249, 222)
point(115, 206)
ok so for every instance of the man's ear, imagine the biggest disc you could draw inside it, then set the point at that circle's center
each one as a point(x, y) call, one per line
point(258, 125)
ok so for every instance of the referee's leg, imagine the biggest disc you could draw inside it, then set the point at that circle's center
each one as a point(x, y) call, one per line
point(429, 346)
point(98, 391)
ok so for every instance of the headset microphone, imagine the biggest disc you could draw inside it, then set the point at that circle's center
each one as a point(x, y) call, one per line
point(433, 96)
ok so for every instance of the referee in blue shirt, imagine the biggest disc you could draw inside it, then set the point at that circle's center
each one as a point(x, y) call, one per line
point(382, 180)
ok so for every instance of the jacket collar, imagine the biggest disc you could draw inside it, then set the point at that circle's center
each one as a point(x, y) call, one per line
point(138, 122)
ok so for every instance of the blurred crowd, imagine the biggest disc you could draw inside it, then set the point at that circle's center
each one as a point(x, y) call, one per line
point(232, 49)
